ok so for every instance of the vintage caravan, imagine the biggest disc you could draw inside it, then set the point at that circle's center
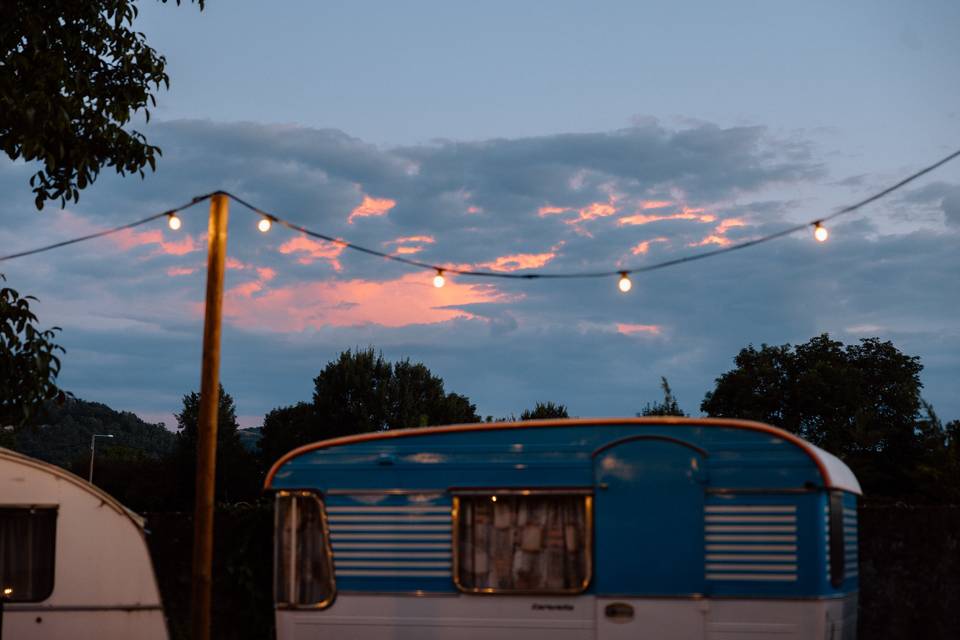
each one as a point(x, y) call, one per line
point(599, 529)
point(73, 561)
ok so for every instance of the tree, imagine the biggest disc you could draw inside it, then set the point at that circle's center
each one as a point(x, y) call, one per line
point(237, 477)
point(28, 362)
point(545, 410)
point(73, 76)
point(284, 429)
point(861, 402)
point(361, 392)
point(669, 405)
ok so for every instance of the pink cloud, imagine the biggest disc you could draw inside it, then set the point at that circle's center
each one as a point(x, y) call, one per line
point(180, 271)
point(372, 207)
point(310, 250)
point(408, 251)
point(593, 211)
point(474, 209)
point(629, 329)
point(729, 223)
point(551, 211)
point(180, 247)
point(411, 240)
point(519, 261)
point(233, 263)
point(685, 213)
point(411, 299)
point(711, 239)
point(644, 246)
point(655, 204)
point(266, 273)
point(128, 238)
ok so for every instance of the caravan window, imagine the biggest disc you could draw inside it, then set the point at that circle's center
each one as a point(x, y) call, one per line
point(28, 543)
point(522, 543)
point(836, 547)
point(302, 559)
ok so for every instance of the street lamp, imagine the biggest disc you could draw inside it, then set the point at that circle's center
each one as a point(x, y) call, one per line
point(93, 446)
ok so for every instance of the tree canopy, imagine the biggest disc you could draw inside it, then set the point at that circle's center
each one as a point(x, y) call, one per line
point(859, 401)
point(72, 76)
point(667, 407)
point(361, 392)
point(29, 364)
point(545, 410)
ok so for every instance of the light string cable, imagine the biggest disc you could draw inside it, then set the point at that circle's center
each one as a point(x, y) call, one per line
point(169, 213)
point(440, 269)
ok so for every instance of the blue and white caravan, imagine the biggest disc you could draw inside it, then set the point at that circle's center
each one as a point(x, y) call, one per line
point(601, 529)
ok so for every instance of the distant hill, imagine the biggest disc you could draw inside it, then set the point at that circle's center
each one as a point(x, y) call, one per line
point(250, 438)
point(61, 434)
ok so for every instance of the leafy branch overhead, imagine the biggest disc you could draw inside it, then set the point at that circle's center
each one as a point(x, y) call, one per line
point(28, 362)
point(72, 76)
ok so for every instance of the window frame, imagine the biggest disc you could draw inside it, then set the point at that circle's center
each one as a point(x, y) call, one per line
point(327, 547)
point(585, 494)
point(836, 543)
point(33, 508)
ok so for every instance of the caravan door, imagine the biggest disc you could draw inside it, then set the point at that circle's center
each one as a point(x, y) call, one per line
point(649, 539)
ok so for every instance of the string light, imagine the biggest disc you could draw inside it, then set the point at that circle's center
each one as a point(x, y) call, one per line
point(820, 232)
point(264, 224)
point(438, 280)
point(173, 221)
point(624, 284)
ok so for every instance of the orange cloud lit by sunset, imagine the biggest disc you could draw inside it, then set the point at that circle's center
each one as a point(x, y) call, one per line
point(371, 207)
point(629, 329)
point(643, 247)
point(638, 219)
point(310, 250)
point(408, 300)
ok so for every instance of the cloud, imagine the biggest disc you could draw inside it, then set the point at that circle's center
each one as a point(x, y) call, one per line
point(371, 207)
point(630, 329)
point(310, 250)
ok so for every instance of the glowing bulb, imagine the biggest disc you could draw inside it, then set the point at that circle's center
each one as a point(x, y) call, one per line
point(7, 591)
point(625, 284)
point(493, 498)
point(264, 225)
point(438, 280)
point(174, 222)
point(820, 233)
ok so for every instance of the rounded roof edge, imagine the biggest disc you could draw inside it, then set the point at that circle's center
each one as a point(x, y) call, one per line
point(836, 474)
point(103, 496)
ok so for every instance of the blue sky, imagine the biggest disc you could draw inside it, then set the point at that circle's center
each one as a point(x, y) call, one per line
point(565, 136)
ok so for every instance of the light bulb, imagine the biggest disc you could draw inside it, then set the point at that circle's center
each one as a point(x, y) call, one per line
point(174, 222)
point(438, 280)
point(264, 225)
point(820, 232)
point(624, 284)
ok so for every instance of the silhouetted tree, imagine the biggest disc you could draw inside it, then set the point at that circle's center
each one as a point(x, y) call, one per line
point(860, 401)
point(73, 76)
point(284, 429)
point(545, 410)
point(667, 407)
point(237, 476)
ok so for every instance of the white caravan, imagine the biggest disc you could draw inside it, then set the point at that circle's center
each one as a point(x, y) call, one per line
point(73, 561)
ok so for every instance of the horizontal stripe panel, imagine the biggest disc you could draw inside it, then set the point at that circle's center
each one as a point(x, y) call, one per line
point(750, 508)
point(750, 518)
point(752, 547)
point(750, 538)
point(747, 528)
point(384, 518)
point(753, 577)
point(389, 527)
point(382, 546)
point(393, 554)
point(388, 564)
point(335, 536)
point(778, 568)
point(368, 573)
point(747, 557)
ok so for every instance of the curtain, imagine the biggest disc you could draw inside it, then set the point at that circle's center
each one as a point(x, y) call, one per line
point(523, 543)
point(28, 539)
point(303, 571)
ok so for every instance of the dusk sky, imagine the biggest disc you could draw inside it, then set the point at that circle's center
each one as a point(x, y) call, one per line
point(561, 136)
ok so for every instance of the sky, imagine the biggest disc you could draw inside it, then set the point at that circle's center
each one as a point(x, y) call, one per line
point(550, 137)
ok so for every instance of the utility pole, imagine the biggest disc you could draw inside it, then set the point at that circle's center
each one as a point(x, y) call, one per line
point(93, 450)
point(207, 426)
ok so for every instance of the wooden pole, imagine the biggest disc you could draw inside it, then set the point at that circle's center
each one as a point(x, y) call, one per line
point(207, 426)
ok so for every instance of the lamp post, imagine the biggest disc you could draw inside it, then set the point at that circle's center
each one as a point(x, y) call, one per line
point(93, 446)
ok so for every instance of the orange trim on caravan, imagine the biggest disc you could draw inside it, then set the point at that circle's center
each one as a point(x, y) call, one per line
point(569, 422)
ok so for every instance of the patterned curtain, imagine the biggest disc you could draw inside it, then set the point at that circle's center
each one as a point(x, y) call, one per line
point(523, 543)
point(28, 542)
